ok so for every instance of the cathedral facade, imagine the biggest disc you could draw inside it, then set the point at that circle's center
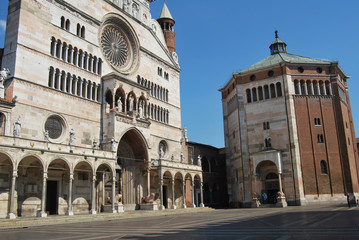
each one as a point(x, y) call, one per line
point(90, 110)
point(289, 132)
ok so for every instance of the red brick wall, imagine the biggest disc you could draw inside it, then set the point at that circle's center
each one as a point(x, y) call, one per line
point(312, 152)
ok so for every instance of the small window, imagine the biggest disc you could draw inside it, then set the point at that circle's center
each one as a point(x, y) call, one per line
point(300, 69)
point(253, 77)
point(317, 121)
point(268, 142)
point(270, 73)
point(323, 167)
point(319, 70)
point(320, 138)
point(266, 126)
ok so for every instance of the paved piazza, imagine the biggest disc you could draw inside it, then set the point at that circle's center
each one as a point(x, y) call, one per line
point(322, 222)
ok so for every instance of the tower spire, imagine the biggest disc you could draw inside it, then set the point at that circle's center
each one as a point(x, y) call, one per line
point(167, 24)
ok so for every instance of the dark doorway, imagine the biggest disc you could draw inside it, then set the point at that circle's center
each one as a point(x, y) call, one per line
point(165, 202)
point(51, 197)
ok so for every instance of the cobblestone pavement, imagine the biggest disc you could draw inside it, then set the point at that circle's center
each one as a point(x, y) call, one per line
point(313, 222)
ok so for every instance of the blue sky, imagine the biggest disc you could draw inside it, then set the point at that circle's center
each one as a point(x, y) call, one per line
point(216, 38)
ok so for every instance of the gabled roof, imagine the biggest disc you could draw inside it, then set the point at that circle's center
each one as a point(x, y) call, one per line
point(165, 13)
point(278, 58)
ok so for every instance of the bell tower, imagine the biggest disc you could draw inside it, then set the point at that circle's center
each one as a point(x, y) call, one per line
point(167, 24)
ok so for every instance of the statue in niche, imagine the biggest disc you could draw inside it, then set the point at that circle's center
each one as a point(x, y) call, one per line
point(191, 160)
point(162, 151)
point(130, 101)
point(182, 157)
point(199, 160)
point(135, 10)
point(46, 136)
point(72, 137)
point(108, 108)
point(140, 109)
point(17, 128)
point(113, 144)
point(126, 5)
point(172, 158)
point(3, 76)
point(119, 104)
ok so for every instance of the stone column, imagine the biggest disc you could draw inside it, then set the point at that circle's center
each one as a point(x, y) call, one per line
point(79, 82)
point(312, 88)
point(305, 88)
point(161, 193)
point(11, 214)
point(93, 195)
point(281, 201)
point(148, 178)
point(173, 194)
point(202, 204)
point(113, 194)
point(184, 193)
point(42, 212)
point(120, 207)
point(69, 210)
point(192, 187)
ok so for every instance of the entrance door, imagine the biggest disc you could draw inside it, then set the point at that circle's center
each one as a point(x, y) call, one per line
point(51, 197)
point(165, 202)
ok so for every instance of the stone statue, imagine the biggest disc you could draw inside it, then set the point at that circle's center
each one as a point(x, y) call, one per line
point(17, 128)
point(3, 76)
point(126, 5)
point(148, 199)
point(130, 101)
point(135, 10)
point(113, 144)
point(182, 157)
point(108, 108)
point(46, 136)
point(119, 104)
point(162, 151)
point(280, 195)
point(72, 137)
point(172, 158)
point(199, 160)
point(191, 161)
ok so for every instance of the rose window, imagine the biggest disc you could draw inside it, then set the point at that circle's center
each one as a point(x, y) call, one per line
point(114, 46)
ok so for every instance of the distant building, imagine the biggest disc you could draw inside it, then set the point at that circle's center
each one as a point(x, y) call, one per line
point(213, 164)
point(289, 129)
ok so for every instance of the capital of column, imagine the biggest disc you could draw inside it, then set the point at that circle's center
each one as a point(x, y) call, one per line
point(15, 174)
point(45, 175)
point(71, 177)
point(114, 179)
point(94, 178)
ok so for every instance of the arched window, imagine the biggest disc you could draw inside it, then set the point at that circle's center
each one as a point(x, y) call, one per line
point(303, 89)
point(85, 60)
point(74, 59)
point(68, 83)
point(99, 68)
point(67, 27)
point(309, 87)
point(94, 67)
point(268, 142)
point(64, 51)
point(89, 90)
point(205, 165)
point(254, 94)
point(58, 49)
point(53, 46)
point(323, 167)
point(90, 63)
point(296, 87)
point(78, 30)
point(320, 138)
point(322, 88)
point(57, 79)
point(249, 97)
point(51, 77)
point(98, 92)
point(83, 32)
point(266, 92)
point(74, 84)
point(62, 22)
point(79, 86)
point(272, 91)
point(315, 87)
point(279, 89)
point(328, 88)
point(260, 93)
point(63, 81)
point(80, 61)
point(84, 88)
point(69, 54)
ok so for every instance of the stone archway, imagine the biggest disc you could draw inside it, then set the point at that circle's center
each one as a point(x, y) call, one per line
point(30, 186)
point(57, 194)
point(268, 184)
point(132, 156)
point(104, 189)
point(179, 190)
point(6, 174)
point(83, 175)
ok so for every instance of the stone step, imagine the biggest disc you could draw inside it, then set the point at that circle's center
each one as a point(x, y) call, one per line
point(24, 222)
